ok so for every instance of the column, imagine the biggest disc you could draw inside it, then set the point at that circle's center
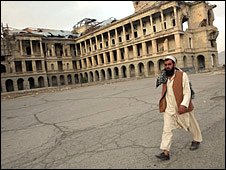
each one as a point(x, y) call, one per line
point(120, 73)
point(93, 61)
point(41, 50)
point(73, 79)
point(151, 24)
point(43, 66)
point(53, 50)
point(98, 59)
point(102, 37)
point(162, 20)
point(109, 39)
point(12, 63)
point(3, 86)
point(78, 65)
point(156, 68)
point(141, 27)
point(21, 48)
point(128, 72)
point(154, 46)
point(65, 80)
point(105, 58)
point(132, 30)
point(166, 48)
point(46, 81)
point(91, 45)
point(63, 50)
point(116, 36)
point(36, 82)
point(119, 54)
point(144, 49)
point(58, 81)
point(15, 86)
point(137, 74)
point(123, 34)
point(88, 62)
point(134, 51)
point(177, 40)
point(23, 66)
point(32, 52)
point(126, 53)
point(111, 57)
point(145, 70)
point(175, 16)
point(34, 66)
point(26, 84)
point(97, 44)
point(81, 52)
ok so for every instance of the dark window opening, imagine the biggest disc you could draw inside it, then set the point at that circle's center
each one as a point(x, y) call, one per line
point(127, 37)
point(135, 35)
point(174, 22)
point(154, 29)
point(120, 39)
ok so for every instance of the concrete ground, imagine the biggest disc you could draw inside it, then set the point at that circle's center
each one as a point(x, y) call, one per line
point(108, 126)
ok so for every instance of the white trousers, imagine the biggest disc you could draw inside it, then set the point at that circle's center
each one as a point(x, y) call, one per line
point(186, 121)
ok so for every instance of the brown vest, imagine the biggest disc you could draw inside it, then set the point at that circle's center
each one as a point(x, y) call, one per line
point(178, 93)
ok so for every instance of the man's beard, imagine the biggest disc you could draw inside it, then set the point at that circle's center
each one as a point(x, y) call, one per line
point(170, 72)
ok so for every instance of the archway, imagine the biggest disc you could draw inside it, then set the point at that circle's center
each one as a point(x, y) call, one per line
point(141, 69)
point(69, 79)
point(201, 62)
point(31, 82)
point(132, 70)
point(151, 70)
point(54, 81)
point(9, 85)
point(62, 81)
point(123, 72)
point(116, 72)
point(41, 82)
point(20, 84)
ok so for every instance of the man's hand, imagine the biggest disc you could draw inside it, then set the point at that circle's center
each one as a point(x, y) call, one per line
point(182, 109)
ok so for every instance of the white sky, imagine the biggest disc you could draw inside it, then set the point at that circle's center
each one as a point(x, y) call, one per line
point(63, 15)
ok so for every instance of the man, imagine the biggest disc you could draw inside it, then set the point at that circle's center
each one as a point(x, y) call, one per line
point(176, 104)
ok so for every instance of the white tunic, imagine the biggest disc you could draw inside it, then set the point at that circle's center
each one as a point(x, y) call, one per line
point(182, 120)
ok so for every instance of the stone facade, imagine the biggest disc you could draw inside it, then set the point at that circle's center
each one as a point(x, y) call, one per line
point(131, 47)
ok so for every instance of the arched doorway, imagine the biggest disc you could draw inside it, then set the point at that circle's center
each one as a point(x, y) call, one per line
point(109, 73)
point(9, 85)
point(141, 69)
point(151, 70)
point(20, 84)
point(69, 79)
point(201, 63)
point(3, 69)
point(91, 76)
point(124, 72)
point(132, 70)
point(76, 79)
point(54, 81)
point(31, 82)
point(185, 61)
point(116, 72)
point(160, 65)
point(97, 77)
point(41, 82)
point(62, 81)
point(102, 72)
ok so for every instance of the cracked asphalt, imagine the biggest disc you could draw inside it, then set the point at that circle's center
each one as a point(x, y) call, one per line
point(110, 126)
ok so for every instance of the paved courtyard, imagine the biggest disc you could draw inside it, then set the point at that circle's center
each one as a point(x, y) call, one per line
point(115, 125)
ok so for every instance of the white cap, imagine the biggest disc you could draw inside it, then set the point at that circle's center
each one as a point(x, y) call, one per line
point(171, 58)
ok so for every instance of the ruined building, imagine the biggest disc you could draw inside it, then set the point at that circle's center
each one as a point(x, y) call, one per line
point(113, 49)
